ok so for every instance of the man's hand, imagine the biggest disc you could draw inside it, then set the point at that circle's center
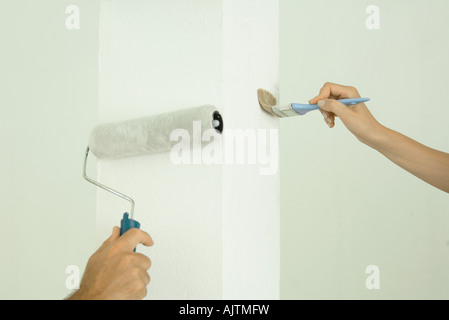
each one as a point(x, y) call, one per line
point(115, 271)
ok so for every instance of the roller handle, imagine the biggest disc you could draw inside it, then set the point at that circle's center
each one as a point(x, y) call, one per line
point(126, 223)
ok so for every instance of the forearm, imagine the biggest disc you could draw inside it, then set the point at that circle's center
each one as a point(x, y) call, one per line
point(430, 165)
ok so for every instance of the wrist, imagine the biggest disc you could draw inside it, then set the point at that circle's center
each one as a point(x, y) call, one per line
point(377, 136)
point(78, 295)
point(74, 296)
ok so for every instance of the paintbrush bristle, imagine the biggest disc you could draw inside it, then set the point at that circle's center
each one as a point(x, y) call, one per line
point(266, 101)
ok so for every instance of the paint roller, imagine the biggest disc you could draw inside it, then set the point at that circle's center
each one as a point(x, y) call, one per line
point(148, 135)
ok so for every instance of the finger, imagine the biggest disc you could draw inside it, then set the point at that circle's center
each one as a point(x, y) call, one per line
point(326, 114)
point(133, 237)
point(143, 261)
point(334, 106)
point(314, 100)
point(145, 278)
point(328, 118)
point(114, 236)
point(325, 93)
point(321, 97)
point(335, 91)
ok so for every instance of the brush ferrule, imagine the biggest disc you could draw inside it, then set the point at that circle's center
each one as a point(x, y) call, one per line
point(285, 111)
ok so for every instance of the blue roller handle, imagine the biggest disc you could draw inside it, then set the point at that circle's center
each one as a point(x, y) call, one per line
point(304, 108)
point(126, 223)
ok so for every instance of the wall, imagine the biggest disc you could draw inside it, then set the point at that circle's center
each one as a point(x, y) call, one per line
point(48, 76)
point(251, 198)
point(344, 206)
point(366, 210)
point(215, 237)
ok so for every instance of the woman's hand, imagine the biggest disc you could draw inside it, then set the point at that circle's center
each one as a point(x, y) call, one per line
point(357, 118)
point(430, 165)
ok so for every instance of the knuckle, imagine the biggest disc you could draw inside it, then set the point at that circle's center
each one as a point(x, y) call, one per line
point(135, 272)
point(113, 249)
point(141, 288)
point(142, 292)
point(139, 291)
point(352, 89)
point(127, 259)
point(116, 246)
point(133, 232)
point(147, 262)
point(138, 273)
point(144, 260)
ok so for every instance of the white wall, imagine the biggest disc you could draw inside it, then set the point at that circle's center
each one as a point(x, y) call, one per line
point(48, 99)
point(215, 227)
point(251, 200)
point(344, 206)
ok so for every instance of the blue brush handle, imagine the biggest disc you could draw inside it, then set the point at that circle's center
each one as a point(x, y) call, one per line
point(304, 108)
point(126, 223)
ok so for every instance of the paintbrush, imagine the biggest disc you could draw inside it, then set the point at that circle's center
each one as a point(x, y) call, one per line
point(268, 103)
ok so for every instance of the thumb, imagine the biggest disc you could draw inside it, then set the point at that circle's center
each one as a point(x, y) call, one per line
point(334, 106)
point(114, 236)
